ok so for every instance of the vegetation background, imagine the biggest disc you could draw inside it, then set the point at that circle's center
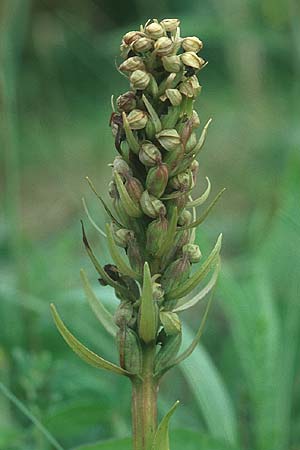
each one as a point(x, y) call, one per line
point(241, 388)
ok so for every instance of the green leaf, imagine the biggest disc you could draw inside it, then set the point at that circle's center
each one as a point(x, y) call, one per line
point(102, 314)
point(115, 254)
point(161, 438)
point(203, 216)
point(148, 309)
point(199, 275)
point(131, 208)
point(132, 142)
point(153, 114)
point(184, 304)
point(202, 138)
point(200, 200)
point(83, 352)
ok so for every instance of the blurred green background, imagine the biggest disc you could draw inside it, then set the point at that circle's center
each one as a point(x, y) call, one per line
point(241, 388)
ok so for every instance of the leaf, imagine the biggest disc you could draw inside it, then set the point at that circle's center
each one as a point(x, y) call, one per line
point(83, 352)
point(102, 314)
point(148, 310)
point(153, 114)
point(199, 275)
point(130, 207)
point(91, 219)
point(161, 438)
point(201, 219)
point(202, 139)
point(132, 142)
point(200, 200)
point(186, 304)
point(123, 267)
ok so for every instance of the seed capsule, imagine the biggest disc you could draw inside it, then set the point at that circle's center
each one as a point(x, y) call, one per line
point(149, 154)
point(142, 45)
point(130, 350)
point(139, 79)
point(193, 252)
point(192, 44)
point(125, 314)
point(152, 206)
point(134, 188)
point(170, 24)
point(174, 96)
point(191, 59)
point(155, 30)
point(163, 46)
point(169, 139)
point(175, 274)
point(157, 179)
point(126, 102)
point(172, 63)
point(181, 181)
point(156, 234)
point(132, 64)
point(137, 119)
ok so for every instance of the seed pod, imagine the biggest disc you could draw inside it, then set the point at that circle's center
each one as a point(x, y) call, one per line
point(191, 143)
point(154, 30)
point(130, 350)
point(175, 274)
point(174, 96)
point(185, 218)
point(125, 315)
point(192, 44)
point(169, 139)
point(157, 179)
point(134, 188)
point(167, 352)
point(191, 59)
point(172, 63)
point(163, 46)
point(132, 64)
point(152, 206)
point(121, 166)
point(137, 119)
point(142, 45)
point(156, 234)
point(126, 102)
point(193, 252)
point(170, 24)
point(139, 79)
point(122, 236)
point(131, 37)
point(149, 154)
point(170, 321)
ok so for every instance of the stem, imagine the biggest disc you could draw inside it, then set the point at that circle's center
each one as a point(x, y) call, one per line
point(144, 403)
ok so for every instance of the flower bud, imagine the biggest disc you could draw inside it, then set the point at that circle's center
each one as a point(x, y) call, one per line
point(139, 79)
point(126, 102)
point(157, 179)
point(175, 274)
point(190, 87)
point(174, 96)
point(154, 30)
point(142, 45)
point(191, 59)
point(163, 46)
point(195, 119)
point(185, 218)
point(170, 24)
point(181, 181)
point(137, 119)
point(192, 44)
point(122, 236)
point(149, 154)
point(121, 166)
point(130, 37)
point(169, 139)
point(172, 63)
point(132, 64)
point(152, 206)
point(191, 143)
point(156, 234)
point(193, 252)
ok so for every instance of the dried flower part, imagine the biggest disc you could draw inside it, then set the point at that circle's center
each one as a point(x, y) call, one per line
point(130, 37)
point(192, 44)
point(139, 79)
point(191, 59)
point(152, 206)
point(169, 139)
point(137, 119)
point(195, 119)
point(155, 30)
point(149, 154)
point(190, 87)
point(142, 45)
point(163, 46)
point(172, 63)
point(132, 64)
point(170, 24)
point(121, 166)
point(193, 252)
point(174, 96)
point(126, 102)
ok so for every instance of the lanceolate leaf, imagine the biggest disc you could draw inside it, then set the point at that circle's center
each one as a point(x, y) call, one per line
point(205, 214)
point(83, 352)
point(91, 219)
point(200, 200)
point(161, 438)
point(148, 310)
point(183, 304)
point(199, 275)
point(118, 259)
point(104, 316)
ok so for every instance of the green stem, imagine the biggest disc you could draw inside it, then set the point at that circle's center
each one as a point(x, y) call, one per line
point(144, 403)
